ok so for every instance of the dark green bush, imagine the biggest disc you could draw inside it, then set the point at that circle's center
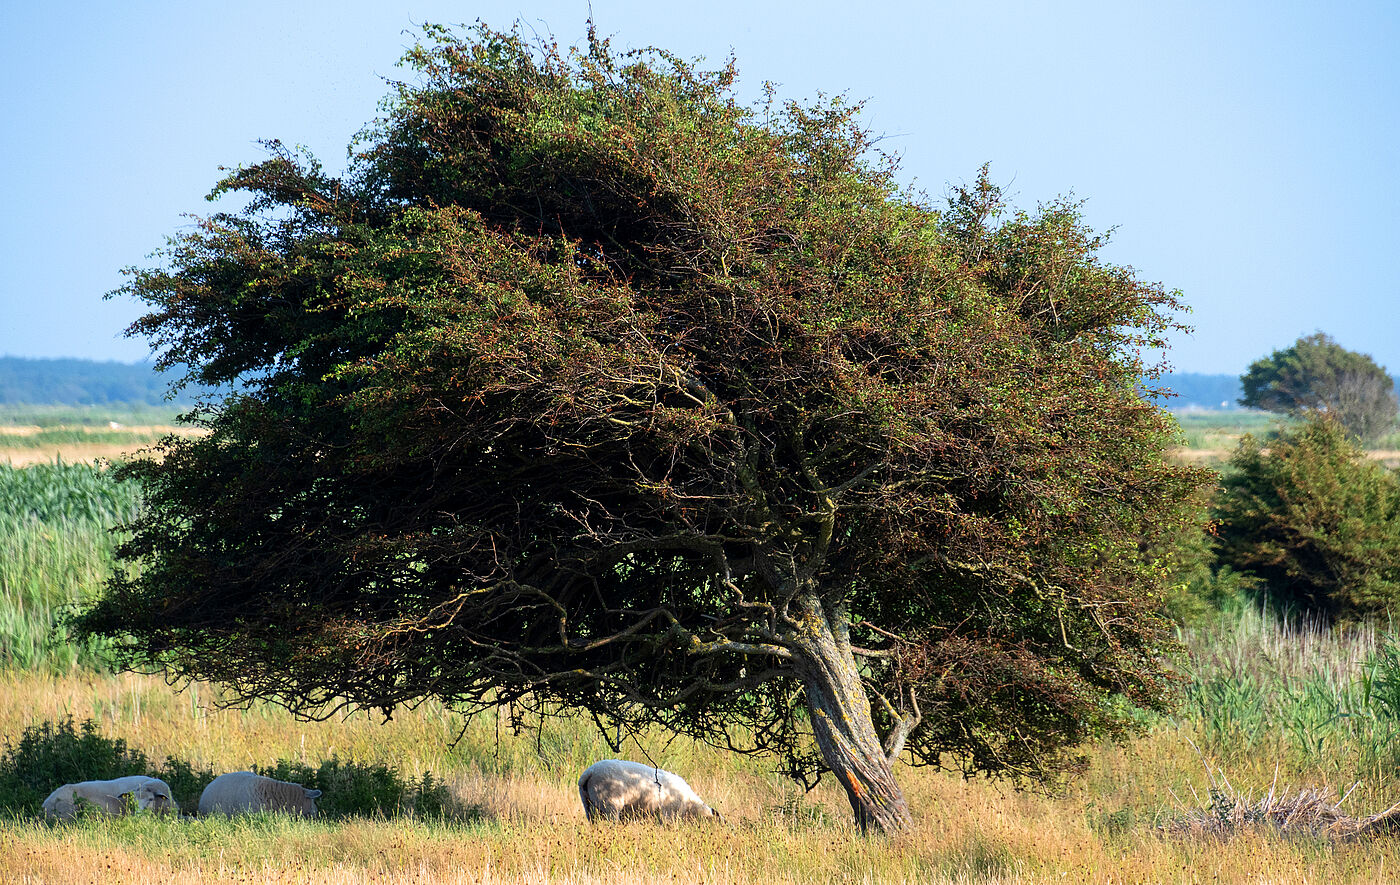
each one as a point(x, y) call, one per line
point(186, 782)
point(50, 755)
point(1316, 520)
point(352, 789)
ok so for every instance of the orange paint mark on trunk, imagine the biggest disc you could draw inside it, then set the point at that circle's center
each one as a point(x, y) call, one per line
point(856, 788)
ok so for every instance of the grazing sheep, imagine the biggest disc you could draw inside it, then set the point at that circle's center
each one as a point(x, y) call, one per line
point(619, 789)
point(241, 792)
point(109, 797)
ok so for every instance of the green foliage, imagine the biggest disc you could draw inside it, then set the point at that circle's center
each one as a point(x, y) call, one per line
point(186, 782)
point(1317, 375)
point(56, 550)
point(355, 789)
point(1196, 586)
point(50, 755)
point(1315, 520)
point(587, 388)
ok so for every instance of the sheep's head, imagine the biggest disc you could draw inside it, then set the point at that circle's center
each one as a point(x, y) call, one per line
point(289, 797)
point(139, 799)
point(161, 801)
point(308, 802)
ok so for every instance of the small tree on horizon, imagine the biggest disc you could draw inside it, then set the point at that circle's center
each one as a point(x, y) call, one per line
point(588, 390)
point(1318, 376)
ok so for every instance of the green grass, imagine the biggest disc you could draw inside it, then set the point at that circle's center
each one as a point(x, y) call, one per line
point(59, 436)
point(1223, 429)
point(56, 550)
point(55, 416)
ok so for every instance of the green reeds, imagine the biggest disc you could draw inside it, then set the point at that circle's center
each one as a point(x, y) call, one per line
point(1301, 694)
point(56, 545)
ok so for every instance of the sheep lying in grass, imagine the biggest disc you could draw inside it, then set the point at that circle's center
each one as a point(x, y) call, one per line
point(110, 797)
point(243, 792)
point(615, 788)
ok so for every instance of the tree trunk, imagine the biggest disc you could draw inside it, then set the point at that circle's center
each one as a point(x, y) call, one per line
point(842, 725)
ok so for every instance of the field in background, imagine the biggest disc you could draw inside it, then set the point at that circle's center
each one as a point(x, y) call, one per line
point(1268, 710)
point(1209, 437)
point(81, 434)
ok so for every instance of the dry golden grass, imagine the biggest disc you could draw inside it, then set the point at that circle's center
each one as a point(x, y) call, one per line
point(17, 447)
point(1108, 827)
point(1217, 456)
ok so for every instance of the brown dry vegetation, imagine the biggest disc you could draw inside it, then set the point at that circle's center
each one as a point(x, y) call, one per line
point(1215, 457)
point(1111, 826)
point(17, 447)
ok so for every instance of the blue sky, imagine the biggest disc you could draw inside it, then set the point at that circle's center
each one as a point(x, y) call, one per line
point(1245, 153)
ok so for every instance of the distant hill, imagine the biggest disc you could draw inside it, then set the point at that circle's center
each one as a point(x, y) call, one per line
point(1196, 391)
point(83, 383)
point(88, 383)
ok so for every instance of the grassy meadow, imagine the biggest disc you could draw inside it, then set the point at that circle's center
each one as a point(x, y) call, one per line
point(1284, 742)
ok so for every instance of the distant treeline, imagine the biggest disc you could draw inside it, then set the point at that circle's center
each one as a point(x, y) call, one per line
point(84, 383)
point(91, 383)
point(1196, 391)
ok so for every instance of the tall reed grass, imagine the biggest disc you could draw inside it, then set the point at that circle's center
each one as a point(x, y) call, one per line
point(1267, 694)
point(56, 544)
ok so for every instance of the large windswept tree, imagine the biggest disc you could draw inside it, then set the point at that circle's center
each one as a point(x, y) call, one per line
point(587, 388)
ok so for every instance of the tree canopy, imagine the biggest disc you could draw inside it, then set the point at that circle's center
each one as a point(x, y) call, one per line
point(1316, 375)
point(587, 388)
point(1315, 519)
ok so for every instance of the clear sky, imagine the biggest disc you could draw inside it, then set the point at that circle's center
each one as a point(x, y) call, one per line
point(1247, 153)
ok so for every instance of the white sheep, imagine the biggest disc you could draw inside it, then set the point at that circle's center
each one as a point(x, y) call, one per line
point(110, 797)
point(240, 792)
point(616, 788)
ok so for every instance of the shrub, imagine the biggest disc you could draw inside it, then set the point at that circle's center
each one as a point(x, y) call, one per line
point(352, 789)
point(1315, 520)
point(186, 782)
point(50, 755)
point(1196, 585)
